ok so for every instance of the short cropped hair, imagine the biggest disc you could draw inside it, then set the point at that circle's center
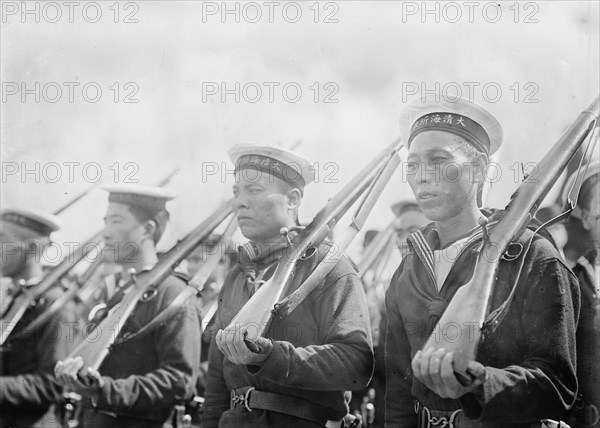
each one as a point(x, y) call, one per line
point(160, 219)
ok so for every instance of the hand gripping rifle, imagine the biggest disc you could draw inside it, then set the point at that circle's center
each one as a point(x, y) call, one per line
point(94, 353)
point(267, 301)
point(29, 297)
point(469, 308)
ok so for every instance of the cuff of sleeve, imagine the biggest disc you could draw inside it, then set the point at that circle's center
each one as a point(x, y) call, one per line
point(273, 366)
point(473, 402)
point(101, 403)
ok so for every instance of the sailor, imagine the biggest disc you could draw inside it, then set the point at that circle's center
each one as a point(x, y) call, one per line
point(587, 408)
point(27, 384)
point(308, 359)
point(409, 219)
point(141, 380)
point(525, 369)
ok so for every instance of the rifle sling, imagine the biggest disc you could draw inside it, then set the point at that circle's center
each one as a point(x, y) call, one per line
point(496, 317)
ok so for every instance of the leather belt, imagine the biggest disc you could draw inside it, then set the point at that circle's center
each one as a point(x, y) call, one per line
point(429, 418)
point(251, 399)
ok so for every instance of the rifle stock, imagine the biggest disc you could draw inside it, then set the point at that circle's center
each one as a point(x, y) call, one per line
point(109, 329)
point(256, 314)
point(469, 307)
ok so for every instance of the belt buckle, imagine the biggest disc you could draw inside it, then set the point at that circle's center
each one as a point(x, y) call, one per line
point(432, 421)
point(241, 399)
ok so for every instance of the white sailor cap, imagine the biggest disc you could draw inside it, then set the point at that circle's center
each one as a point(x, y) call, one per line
point(592, 169)
point(401, 207)
point(150, 198)
point(37, 222)
point(456, 115)
point(281, 163)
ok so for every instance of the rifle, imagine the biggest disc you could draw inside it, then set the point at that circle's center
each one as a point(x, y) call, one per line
point(88, 190)
point(262, 306)
point(29, 297)
point(93, 354)
point(74, 200)
point(194, 285)
point(377, 253)
point(470, 305)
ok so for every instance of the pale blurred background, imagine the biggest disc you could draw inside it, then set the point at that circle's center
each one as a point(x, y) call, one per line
point(372, 55)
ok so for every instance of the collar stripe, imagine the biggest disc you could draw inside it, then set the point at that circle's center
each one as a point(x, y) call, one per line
point(426, 253)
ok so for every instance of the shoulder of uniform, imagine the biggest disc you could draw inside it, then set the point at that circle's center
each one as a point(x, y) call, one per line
point(175, 280)
point(168, 290)
point(171, 286)
point(182, 276)
point(329, 252)
point(541, 247)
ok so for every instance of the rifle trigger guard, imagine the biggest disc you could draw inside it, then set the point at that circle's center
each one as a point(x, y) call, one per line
point(513, 252)
point(149, 295)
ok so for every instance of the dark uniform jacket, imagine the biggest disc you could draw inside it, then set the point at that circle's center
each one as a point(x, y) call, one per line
point(27, 384)
point(588, 343)
point(144, 378)
point(529, 360)
point(320, 350)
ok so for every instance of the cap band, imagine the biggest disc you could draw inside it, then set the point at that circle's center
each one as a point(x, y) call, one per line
point(150, 203)
point(271, 166)
point(455, 124)
point(27, 223)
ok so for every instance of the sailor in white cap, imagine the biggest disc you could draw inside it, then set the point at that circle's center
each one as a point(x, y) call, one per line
point(27, 386)
point(265, 165)
point(23, 228)
point(459, 120)
point(308, 359)
point(409, 219)
point(525, 370)
point(140, 381)
point(587, 269)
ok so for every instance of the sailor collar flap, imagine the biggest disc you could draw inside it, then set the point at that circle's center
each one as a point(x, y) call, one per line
point(425, 241)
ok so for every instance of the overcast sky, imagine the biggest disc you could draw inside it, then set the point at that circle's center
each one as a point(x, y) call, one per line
point(535, 65)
